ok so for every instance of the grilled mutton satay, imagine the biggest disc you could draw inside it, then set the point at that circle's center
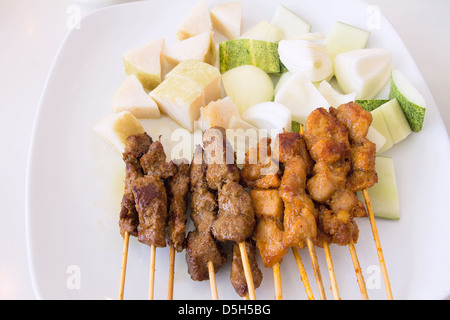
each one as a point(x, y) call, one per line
point(151, 197)
point(135, 147)
point(201, 247)
point(177, 191)
point(237, 275)
point(235, 219)
point(328, 143)
point(357, 121)
point(299, 211)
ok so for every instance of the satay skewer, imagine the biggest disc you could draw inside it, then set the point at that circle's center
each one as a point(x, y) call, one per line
point(376, 238)
point(171, 273)
point(334, 287)
point(151, 280)
point(123, 268)
point(212, 280)
point(303, 275)
point(359, 275)
point(277, 281)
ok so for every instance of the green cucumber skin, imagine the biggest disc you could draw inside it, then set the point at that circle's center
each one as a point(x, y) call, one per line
point(414, 114)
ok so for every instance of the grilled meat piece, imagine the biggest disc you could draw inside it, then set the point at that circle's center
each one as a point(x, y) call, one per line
point(269, 240)
point(235, 219)
point(357, 121)
point(177, 191)
point(200, 249)
point(237, 275)
point(220, 158)
point(154, 162)
point(288, 144)
point(151, 204)
point(201, 246)
point(260, 169)
point(135, 147)
point(299, 210)
point(339, 226)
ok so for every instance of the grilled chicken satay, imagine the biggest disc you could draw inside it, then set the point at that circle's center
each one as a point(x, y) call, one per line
point(201, 247)
point(235, 220)
point(299, 211)
point(329, 146)
point(357, 121)
point(151, 197)
point(135, 147)
point(262, 173)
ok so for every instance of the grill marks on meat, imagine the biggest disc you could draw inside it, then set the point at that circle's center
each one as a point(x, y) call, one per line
point(201, 246)
point(155, 194)
point(266, 202)
point(177, 190)
point(136, 146)
point(357, 121)
point(299, 210)
point(345, 163)
point(235, 219)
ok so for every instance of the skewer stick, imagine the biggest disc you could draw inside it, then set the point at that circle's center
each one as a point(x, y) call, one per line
point(123, 269)
point(212, 280)
point(359, 275)
point(277, 280)
point(316, 268)
point(334, 286)
point(171, 272)
point(387, 283)
point(303, 275)
point(151, 282)
point(247, 271)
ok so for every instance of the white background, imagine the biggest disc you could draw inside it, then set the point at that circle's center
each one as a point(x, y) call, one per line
point(31, 32)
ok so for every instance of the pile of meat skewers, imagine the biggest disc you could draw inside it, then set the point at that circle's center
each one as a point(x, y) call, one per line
point(298, 192)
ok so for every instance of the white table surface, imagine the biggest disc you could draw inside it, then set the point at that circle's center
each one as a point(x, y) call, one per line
point(31, 32)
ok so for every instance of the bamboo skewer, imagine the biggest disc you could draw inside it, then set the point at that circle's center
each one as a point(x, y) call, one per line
point(123, 269)
point(303, 275)
point(316, 268)
point(277, 281)
point(334, 287)
point(212, 280)
point(247, 271)
point(151, 281)
point(359, 275)
point(376, 238)
point(171, 272)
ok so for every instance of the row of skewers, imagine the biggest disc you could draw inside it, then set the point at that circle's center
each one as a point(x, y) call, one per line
point(302, 195)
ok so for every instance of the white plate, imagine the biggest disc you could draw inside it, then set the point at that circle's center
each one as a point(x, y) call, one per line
point(74, 179)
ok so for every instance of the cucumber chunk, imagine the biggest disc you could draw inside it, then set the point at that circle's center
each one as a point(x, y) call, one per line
point(411, 101)
point(371, 105)
point(395, 120)
point(289, 23)
point(383, 195)
point(344, 37)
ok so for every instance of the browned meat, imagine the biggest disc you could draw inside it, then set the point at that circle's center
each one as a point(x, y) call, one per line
point(237, 275)
point(354, 118)
point(177, 191)
point(325, 137)
point(260, 169)
point(200, 249)
point(288, 144)
point(235, 219)
point(201, 246)
point(269, 240)
point(357, 121)
point(339, 225)
point(135, 147)
point(151, 204)
point(299, 210)
point(267, 203)
point(220, 159)
point(154, 162)
point(328, 140)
